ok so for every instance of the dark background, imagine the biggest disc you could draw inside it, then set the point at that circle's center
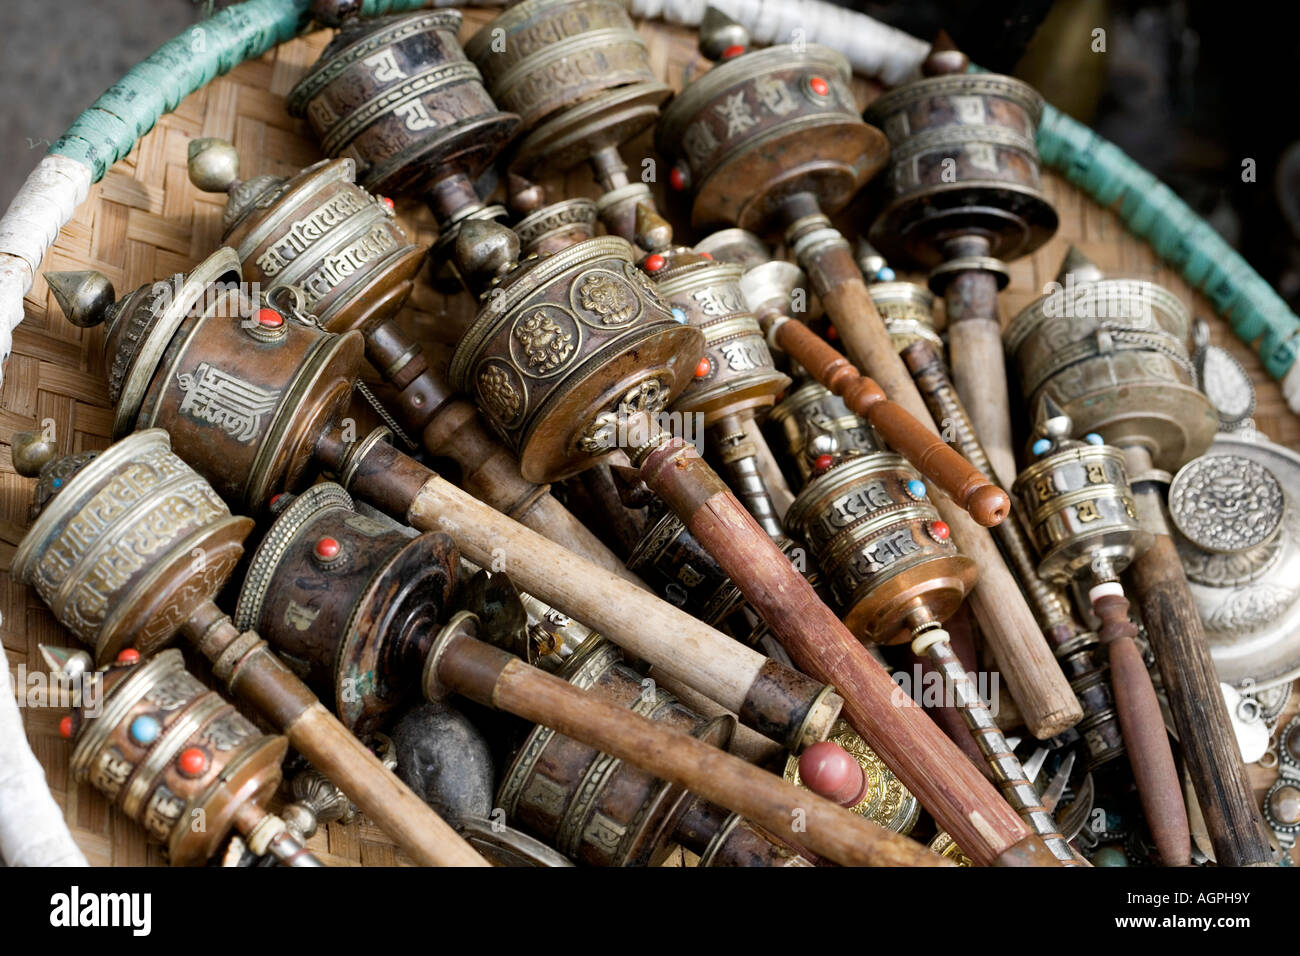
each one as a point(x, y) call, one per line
point(1190, 88)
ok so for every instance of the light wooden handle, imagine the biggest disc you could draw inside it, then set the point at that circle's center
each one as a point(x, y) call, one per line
point(490, 473)
point(927, 762)
point(779, 702)
point(979, 369)
point(929, 454)
point(497, 679)
point(1032, 673)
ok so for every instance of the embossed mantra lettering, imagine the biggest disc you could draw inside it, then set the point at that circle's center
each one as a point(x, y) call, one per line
point(215, 397)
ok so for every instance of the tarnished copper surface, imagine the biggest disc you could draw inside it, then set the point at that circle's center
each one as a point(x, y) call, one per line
point(355, 625)
point(142, 775)
point(563, 340)
point(397, 95)
point(757, 129)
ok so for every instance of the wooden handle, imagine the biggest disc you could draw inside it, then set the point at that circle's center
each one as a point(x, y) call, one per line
point(490, 473)
point(1032, 674)
point(1145, 739)
point(259, 677)
point(1205, 733)
point(777, 701)
point(497, 679)
point(979, 367)
point(929, 454)
point(927, 762)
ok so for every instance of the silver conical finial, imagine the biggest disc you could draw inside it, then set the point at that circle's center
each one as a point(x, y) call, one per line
point(85, 297)
point(70, 662)
point(1080, 266)
point(1052, 421)
point(213, 164)
point(720, 36)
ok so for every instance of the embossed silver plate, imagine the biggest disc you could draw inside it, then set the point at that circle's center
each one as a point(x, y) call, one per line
point(1252, 620)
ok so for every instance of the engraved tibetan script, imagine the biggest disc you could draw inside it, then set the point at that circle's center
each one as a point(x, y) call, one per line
point(218, 398)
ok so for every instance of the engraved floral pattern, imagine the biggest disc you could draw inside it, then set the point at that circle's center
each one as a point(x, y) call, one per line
point(546, 346)
point(499, 397)
point(609, 297)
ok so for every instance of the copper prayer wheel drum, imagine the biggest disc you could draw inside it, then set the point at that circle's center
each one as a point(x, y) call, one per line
point(1080, 512)
point(812, 421)
point(963, 164)
point(397, 95)
point(590, 806)
point(246, 399)
point(765, 125)
point(881, 545)
point(351, 602)
point(577, 73)
point(320, 232)
point(561, 343)
point(740, 374)
point(152, 712)
point(128, 545)
point(1113, 353)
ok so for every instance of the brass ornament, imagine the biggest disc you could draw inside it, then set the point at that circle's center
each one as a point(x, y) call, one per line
point(886, 800)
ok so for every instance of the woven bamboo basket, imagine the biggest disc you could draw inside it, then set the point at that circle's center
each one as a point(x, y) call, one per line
point(145, 221)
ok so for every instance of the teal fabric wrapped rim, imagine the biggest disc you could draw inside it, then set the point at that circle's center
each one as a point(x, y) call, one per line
point(1258, 316)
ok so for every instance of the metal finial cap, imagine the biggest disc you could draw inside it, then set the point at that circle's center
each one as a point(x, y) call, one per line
point(30, 451)
point(525, 196)
point(1080, 266)
point(485, 249)
point(653, 232)
point(213, 164)
point(1052, 420)
point(85, 297)
point(65, 660)
point(719, 34)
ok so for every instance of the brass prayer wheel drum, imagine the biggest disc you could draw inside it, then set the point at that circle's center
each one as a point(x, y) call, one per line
point(765, 125)
point(963, 164)
point(397, 95)
point(128, 544)
point(1080, 512)
point(351, 602)
point(1113, 353)
point(812, 421)
point(561, 344)
point(246, 391)
point(173, 755)
point(869, 524)
point(908, 312)
point(739, 373)
point(577, 73)
point(318, 231)
point(590, 806)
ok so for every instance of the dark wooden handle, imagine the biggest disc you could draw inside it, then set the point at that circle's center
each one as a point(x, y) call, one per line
point(1204, 729)
point(929, 454)
point(495, 678)
point(260, 678)
point(928, 763)
point(1145, 738)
